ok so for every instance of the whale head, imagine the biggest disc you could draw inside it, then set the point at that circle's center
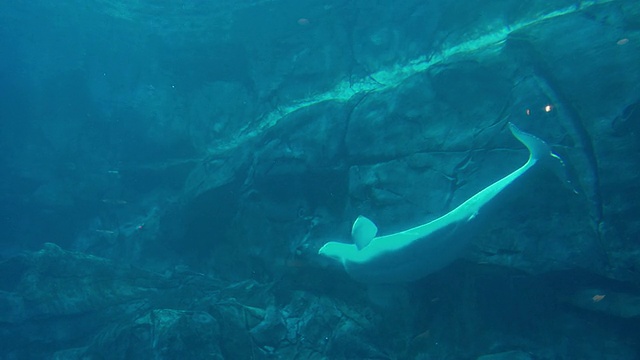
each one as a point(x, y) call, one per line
point(338, 251)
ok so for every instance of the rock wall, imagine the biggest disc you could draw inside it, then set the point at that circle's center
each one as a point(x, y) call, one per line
point(220, 152)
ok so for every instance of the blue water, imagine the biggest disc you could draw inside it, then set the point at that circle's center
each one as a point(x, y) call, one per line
point(189, 158)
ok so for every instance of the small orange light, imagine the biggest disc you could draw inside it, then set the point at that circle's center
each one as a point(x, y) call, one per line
point(548, 108)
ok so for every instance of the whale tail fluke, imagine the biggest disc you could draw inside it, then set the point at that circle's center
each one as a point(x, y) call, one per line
point(539, 150)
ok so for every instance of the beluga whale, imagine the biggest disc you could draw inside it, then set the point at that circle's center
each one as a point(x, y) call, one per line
point(419, 251)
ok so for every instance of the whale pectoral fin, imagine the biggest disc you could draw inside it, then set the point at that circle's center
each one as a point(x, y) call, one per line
point(363, 231)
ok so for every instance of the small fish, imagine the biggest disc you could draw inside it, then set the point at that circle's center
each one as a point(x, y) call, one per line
point(114, 201)
point(106, 232)
point(597, 298)
point(423, 335)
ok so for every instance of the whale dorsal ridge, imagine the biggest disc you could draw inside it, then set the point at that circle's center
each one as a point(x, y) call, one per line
point(363, 231)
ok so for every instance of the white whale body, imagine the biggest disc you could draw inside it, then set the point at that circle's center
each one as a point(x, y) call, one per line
point(414, 253)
